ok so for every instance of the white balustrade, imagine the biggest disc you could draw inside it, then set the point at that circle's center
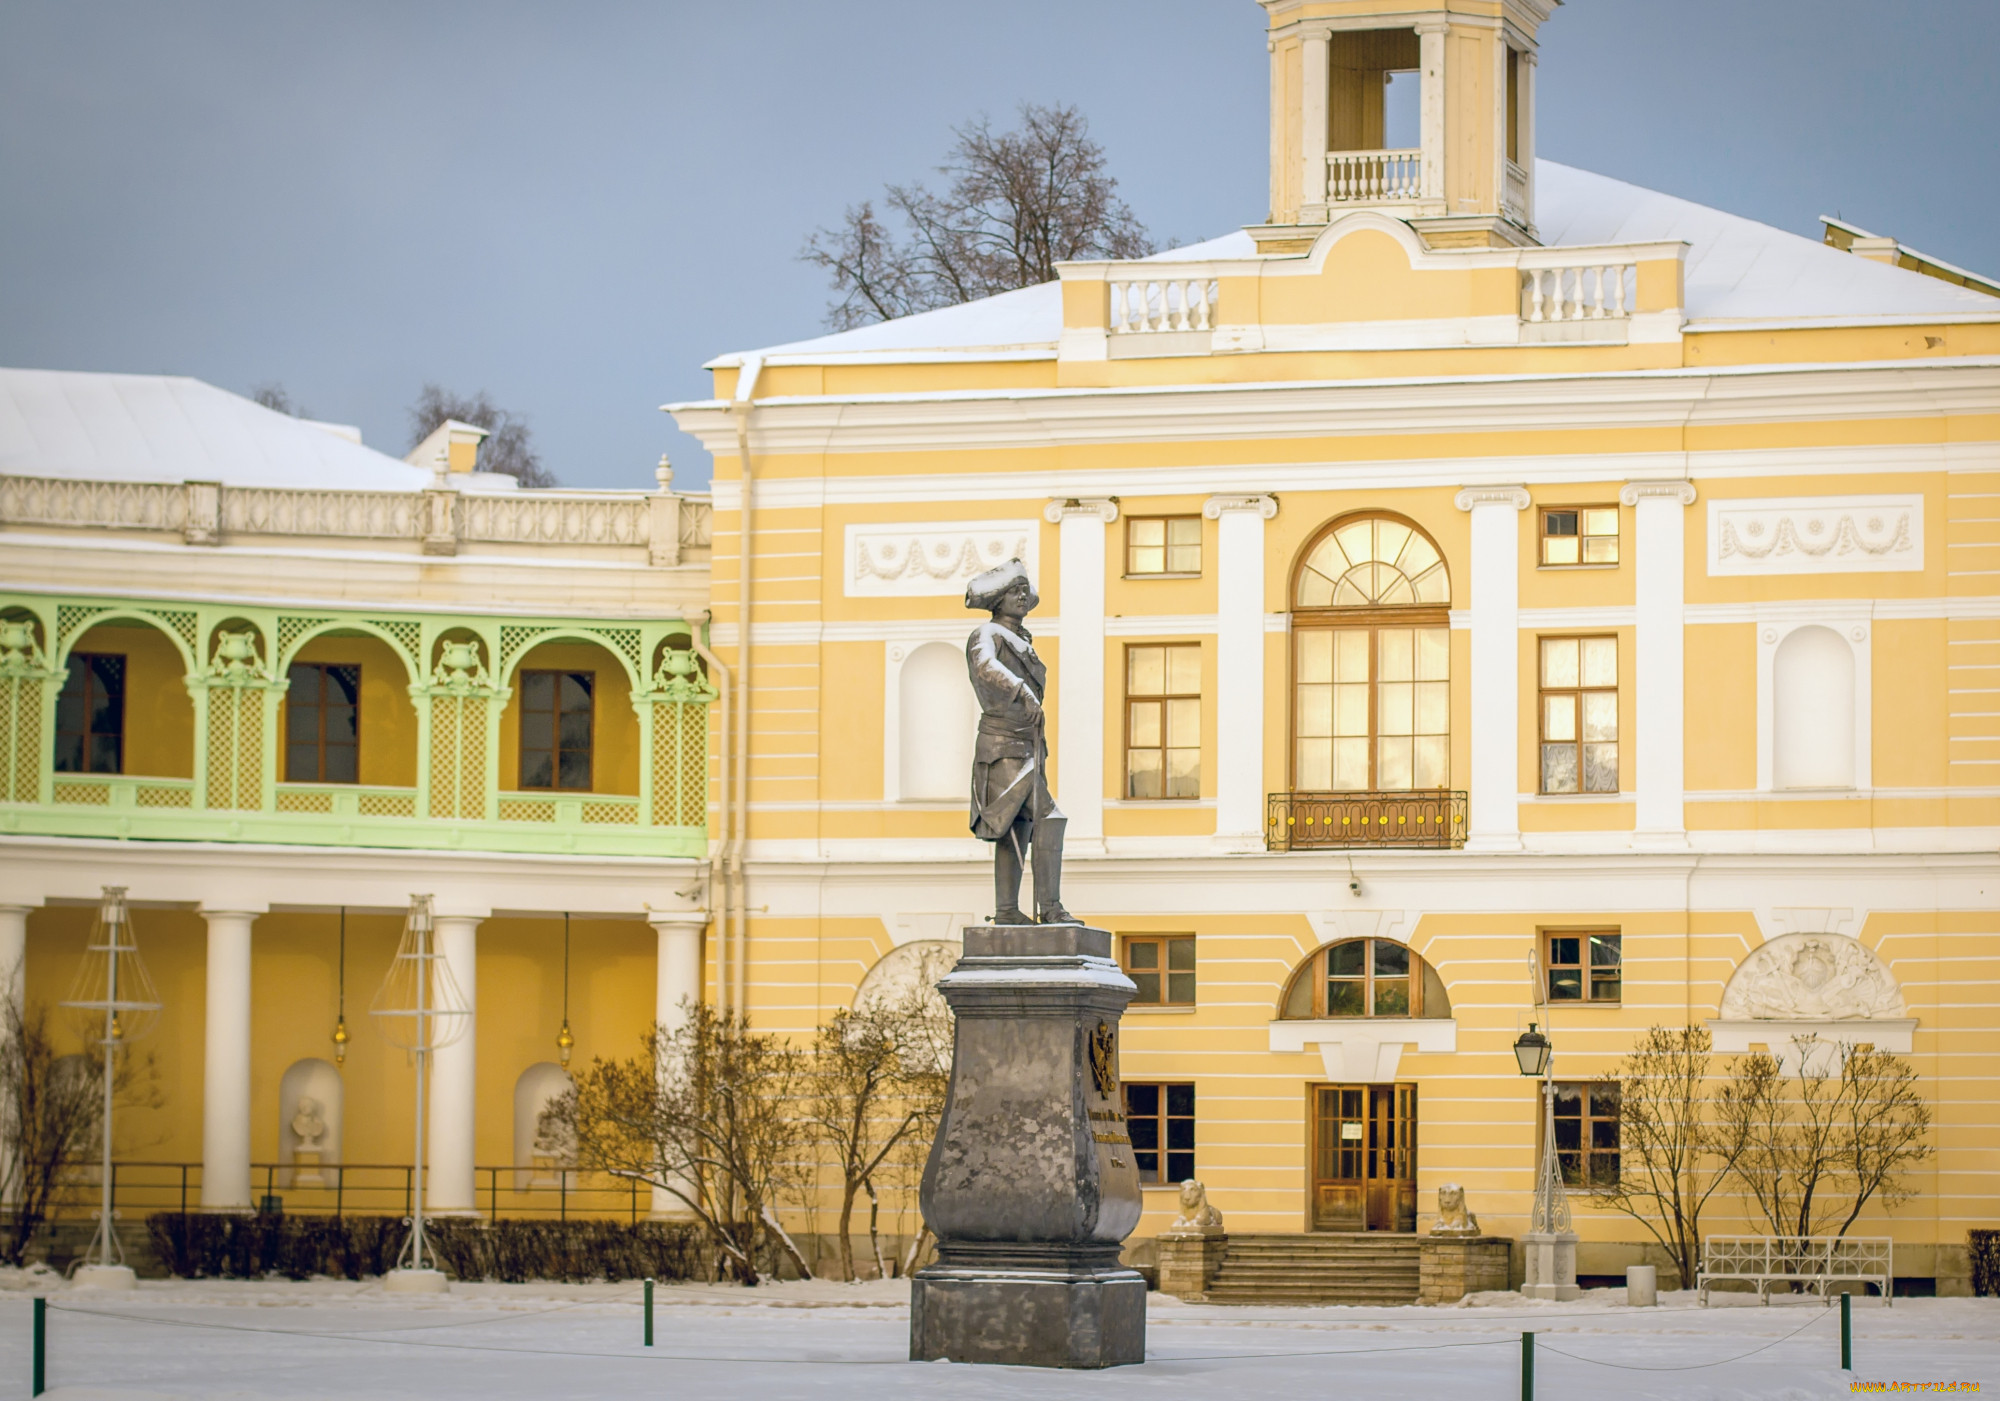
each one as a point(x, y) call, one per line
point(1568, 291)
point(1182, 301)
point(1373, 177)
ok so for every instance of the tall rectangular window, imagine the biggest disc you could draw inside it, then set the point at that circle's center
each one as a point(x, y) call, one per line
point(557, 711)
point(1163, 721)
point(1374, 708)
point(1160, 1120)
point(1579, 708)
point(1586, 1118)
point(90, 714)
point(1163, 545)
point(1514, 105)
point(1584, 965)
point(323, 723)
point(1161, 966)
point(1579, 535)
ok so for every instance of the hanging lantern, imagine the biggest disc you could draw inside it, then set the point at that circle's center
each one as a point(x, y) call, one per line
point(565, 1040)
point(340, 1037)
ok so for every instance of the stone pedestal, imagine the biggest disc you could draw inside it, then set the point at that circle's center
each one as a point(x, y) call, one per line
point(104, 1277)
point(1551, 1265)
point(1031, 1184)
point(1451, 1267)
point(306, 1169)
point(415, 1282)
point(1189, 1260)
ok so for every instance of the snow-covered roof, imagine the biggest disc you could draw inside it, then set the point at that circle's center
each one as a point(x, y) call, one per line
point(1737, 269)
point(168, 428)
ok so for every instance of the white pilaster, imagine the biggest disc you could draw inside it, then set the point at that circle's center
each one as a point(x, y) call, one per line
point(1239, 667)
point(1079, 756)
point(1529, 60)
point(449, 1153)
point(1312, 136)
point(1658, 550)
point(225, 1076)
point(1430, 99)
point(679, 987)
point(1493, 816)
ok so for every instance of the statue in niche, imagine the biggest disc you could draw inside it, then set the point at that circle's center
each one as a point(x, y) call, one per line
point(1011, 806)
point(552, 1150)
point(1453, 1218)
point(1196, 1215)
point(309, 1128)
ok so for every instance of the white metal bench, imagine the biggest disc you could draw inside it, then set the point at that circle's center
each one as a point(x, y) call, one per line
point(1818, 1262)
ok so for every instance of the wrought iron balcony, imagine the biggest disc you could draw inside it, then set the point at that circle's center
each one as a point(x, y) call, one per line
point(1430, 817)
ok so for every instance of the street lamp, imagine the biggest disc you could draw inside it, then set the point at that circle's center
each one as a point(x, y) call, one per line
point(1551, 1237)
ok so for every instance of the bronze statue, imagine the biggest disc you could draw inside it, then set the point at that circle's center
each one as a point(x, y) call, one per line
point(1011, 806)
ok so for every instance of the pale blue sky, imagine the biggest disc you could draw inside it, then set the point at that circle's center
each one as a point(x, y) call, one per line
point(573, 206)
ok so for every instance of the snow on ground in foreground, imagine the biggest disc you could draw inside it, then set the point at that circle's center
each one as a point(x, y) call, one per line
point(328, 1339)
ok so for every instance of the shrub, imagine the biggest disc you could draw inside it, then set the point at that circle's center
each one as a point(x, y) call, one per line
point(205, 1246)
point(1984, 1247)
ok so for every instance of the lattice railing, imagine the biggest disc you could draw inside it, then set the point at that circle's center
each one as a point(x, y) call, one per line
point(1816, 1262)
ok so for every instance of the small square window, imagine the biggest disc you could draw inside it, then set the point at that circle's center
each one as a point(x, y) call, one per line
point(1163, 545)
point(1162, 967)
point(1575, 535)
point(1584, 965)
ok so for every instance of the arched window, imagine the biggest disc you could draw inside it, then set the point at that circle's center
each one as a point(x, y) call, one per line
point(1371, 660)
point(1365, 978)
point(1812, 710)
point(937, 719)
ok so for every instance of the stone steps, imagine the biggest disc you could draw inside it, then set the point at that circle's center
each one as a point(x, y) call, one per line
point(1377, 1268)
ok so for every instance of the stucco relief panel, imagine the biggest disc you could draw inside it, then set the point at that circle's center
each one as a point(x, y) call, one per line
point(933, 559)
point(1816, 535)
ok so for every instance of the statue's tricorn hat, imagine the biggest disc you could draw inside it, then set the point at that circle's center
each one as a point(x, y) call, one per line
point(987, 590)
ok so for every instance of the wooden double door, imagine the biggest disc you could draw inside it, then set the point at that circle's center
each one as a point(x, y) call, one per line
point(1364, 1158)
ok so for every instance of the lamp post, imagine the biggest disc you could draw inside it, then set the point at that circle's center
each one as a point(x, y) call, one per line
point(420, 1009)
point(1551, 1238)
point(111, 1002)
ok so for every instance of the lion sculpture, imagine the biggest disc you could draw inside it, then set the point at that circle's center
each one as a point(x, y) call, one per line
point(1453, 1218)
point(1196, 1213)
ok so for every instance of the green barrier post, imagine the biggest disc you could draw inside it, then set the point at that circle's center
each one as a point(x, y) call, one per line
point(41, 1347)
point(649, 1312)
point(1846, 1332)
point(1527, 1367)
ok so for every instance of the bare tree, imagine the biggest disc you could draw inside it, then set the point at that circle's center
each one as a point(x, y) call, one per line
point(1676, 1147)
point(509, 447)
point(51, 1113)
point(272, 396)
point(1821, 1146)
point(708, 1113)
point(1018, 203)
point(878, 1083)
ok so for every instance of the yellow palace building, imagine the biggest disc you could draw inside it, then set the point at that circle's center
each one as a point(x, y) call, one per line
point(1480, 581)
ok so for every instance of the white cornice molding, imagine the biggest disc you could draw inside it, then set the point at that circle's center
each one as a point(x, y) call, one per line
point(1264, 505)
point(1678, 398)
point(1632, 493)
point(1507, 495)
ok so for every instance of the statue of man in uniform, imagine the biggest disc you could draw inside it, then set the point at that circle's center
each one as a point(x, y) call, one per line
point(1011, 806)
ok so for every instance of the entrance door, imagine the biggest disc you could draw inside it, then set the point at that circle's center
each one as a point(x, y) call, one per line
point(1365, 1158)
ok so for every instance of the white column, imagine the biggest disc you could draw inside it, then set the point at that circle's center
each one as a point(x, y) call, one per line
point(1239, 667)
point(1079, 682)
point(14, 953)
point(451, 1144)
point(225, 1076)
point(1430, 96)
point(1312, 134)
point(1658, 545)
point(679, 986)
point(1494, 819)
point(1528, 63)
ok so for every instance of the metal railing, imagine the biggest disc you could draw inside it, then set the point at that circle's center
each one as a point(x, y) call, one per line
point(1415, 818)
point(138, 1189)
point(1814, 1262)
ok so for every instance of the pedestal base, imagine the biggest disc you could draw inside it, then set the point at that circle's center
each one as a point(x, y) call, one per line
point(415, 1282)
point(1551, 1261)
point(1028, 1318)
point(1451, 1267)
point(1189, 1260)
point(104, 1277)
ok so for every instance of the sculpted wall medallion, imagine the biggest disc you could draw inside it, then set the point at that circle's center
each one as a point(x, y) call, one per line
point(1811, 977)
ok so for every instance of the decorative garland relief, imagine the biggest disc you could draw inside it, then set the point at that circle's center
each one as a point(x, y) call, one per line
point(1816, 535)
point(933, 559)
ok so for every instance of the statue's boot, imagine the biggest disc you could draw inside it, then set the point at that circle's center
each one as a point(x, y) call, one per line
point(1007, 880)
point(1048, 871)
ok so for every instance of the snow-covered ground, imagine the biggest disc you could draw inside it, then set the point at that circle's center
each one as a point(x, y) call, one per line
point(328, 1339)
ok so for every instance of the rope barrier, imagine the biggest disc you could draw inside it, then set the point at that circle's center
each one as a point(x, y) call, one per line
point(1693, 1366)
